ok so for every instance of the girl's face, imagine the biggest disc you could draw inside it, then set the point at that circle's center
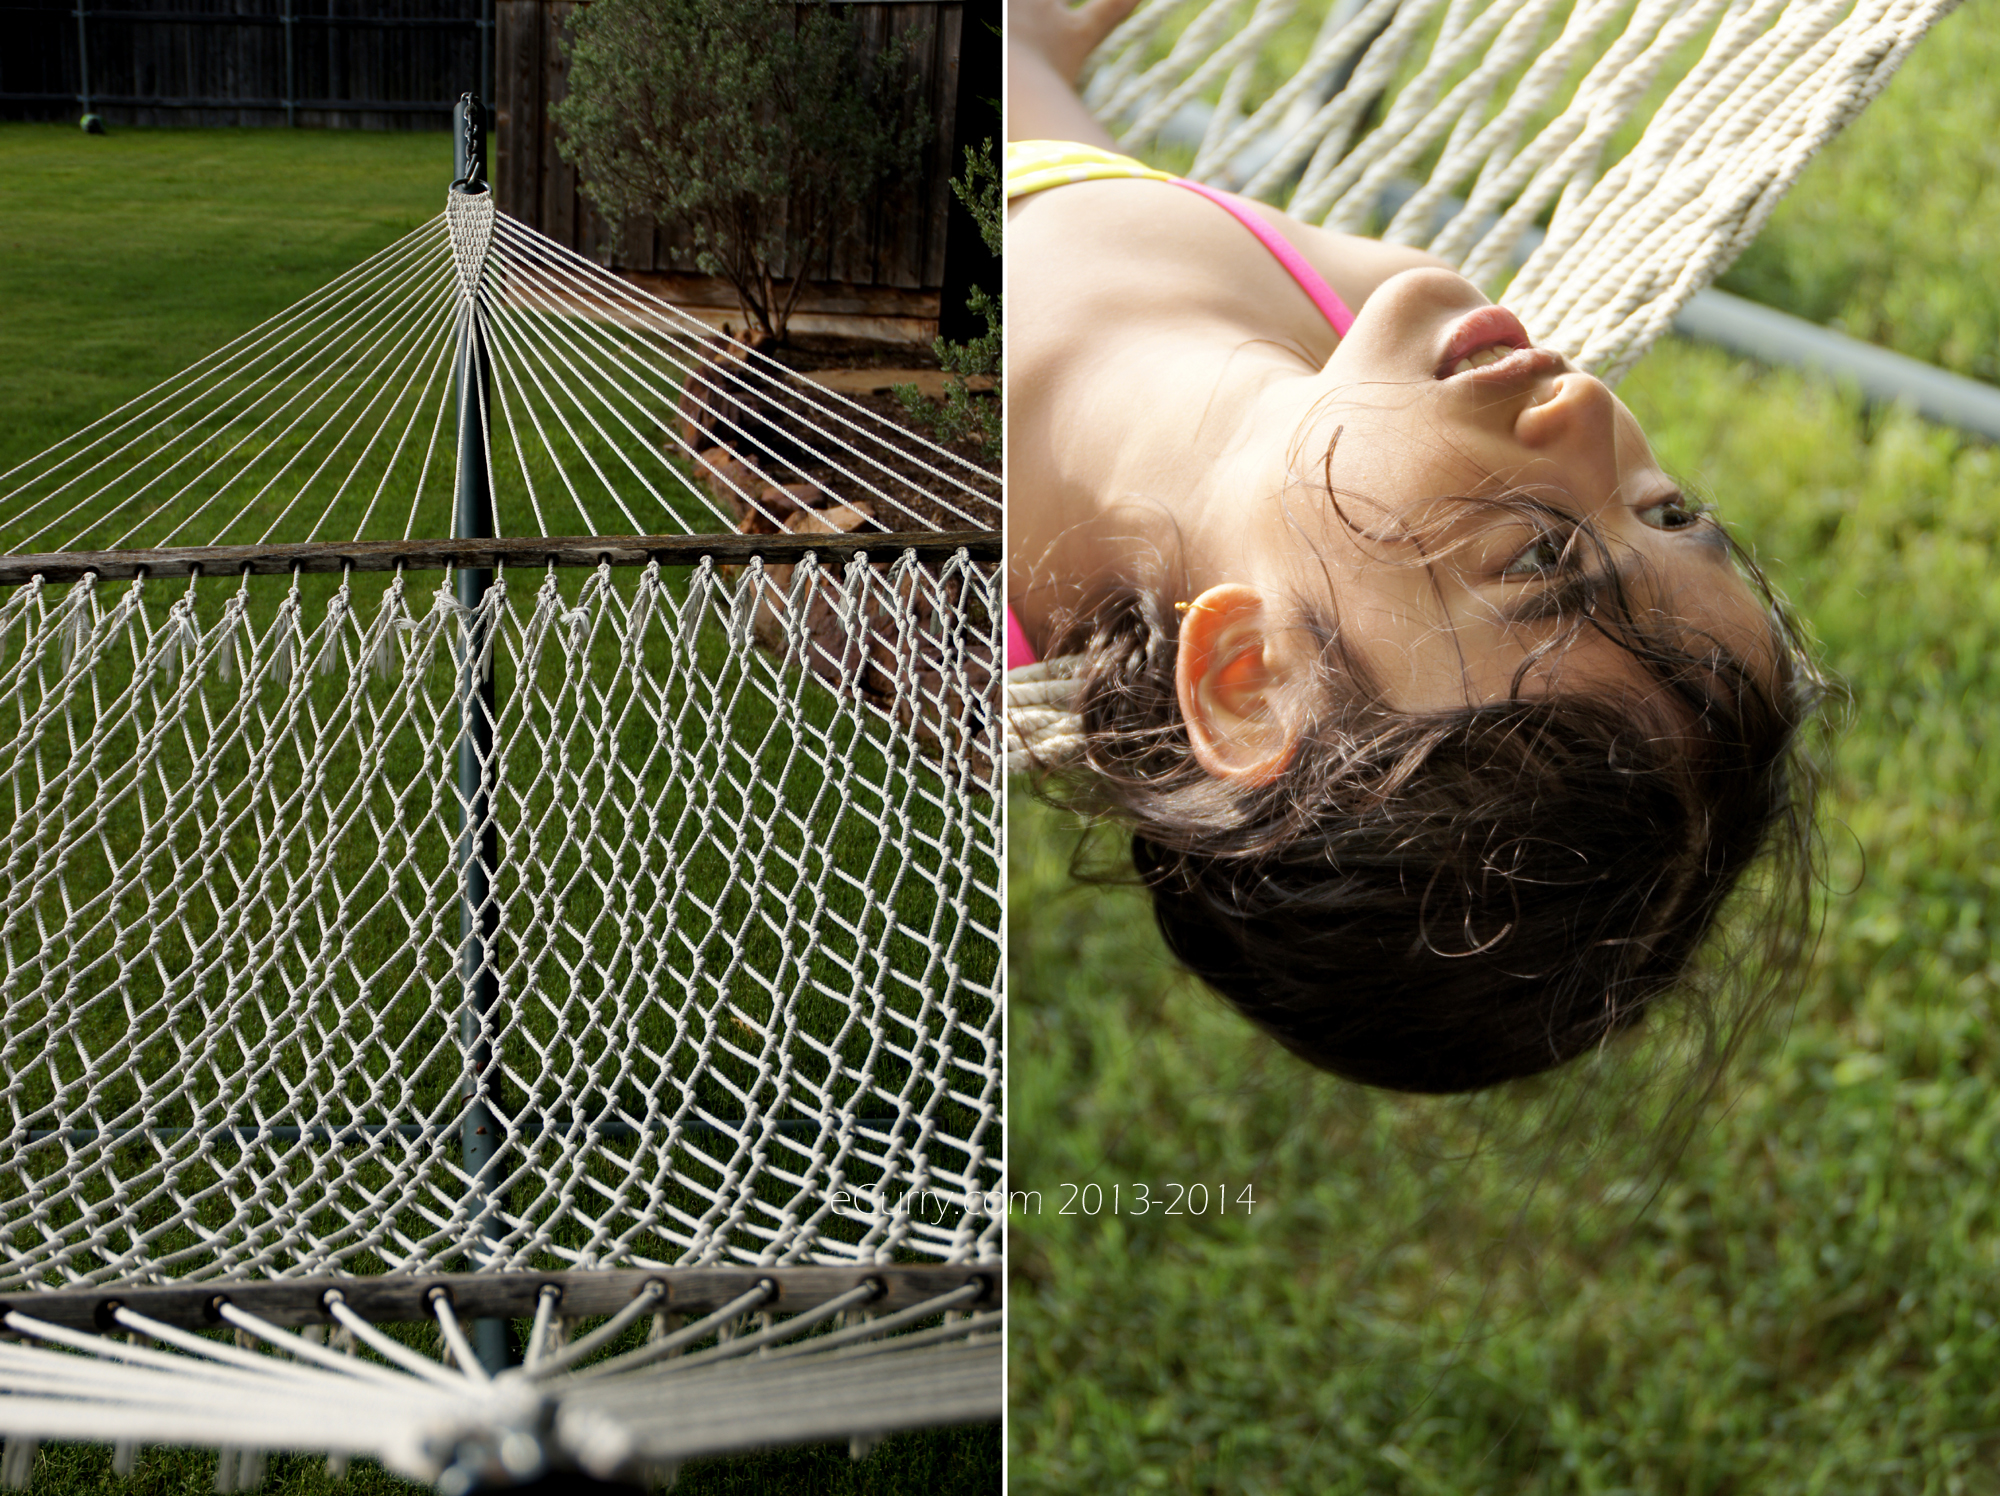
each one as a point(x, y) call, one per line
point(1436, 397)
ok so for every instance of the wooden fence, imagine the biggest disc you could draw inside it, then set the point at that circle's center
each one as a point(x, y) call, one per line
point(886, 266)
point(893, 262)
point(358, 64)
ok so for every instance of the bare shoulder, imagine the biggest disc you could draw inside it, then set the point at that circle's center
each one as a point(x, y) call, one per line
point(1129, 250)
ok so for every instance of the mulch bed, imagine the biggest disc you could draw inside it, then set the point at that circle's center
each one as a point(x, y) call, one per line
point(928, 661)
point(762, 443)
point(809, 353)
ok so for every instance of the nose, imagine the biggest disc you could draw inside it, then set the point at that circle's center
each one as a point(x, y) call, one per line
point(1577, 408)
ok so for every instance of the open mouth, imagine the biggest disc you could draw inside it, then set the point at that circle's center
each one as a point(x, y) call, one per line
point(1480, 360)
point(1501, 364)
point(1484, 339)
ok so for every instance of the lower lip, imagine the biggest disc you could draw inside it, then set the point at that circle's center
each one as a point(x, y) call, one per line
point(1489, 327)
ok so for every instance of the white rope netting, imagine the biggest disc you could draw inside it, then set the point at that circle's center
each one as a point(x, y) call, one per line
point(745, 914)
point(748, 908)
point(1591, 163)
point(627, 1400)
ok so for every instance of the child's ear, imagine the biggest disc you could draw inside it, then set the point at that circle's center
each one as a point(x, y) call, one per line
point(1233, 681)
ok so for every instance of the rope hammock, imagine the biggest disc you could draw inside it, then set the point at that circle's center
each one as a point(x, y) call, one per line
point(296, 1376)
point(1653, 139)
point(640, 915)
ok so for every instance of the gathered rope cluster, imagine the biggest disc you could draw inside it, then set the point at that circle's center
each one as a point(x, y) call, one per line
point(611, 412)
point(1042, 726)
point(1460, 126)
point(834, 1370)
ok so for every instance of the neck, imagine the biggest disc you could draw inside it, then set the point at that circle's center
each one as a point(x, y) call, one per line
point(1153, 487)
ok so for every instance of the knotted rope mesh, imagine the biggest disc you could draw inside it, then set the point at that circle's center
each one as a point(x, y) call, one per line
point(749, 993)
point(743, 919)
point(1593, 164)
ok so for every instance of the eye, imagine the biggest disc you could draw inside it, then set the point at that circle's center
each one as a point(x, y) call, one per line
point(1675, 512)
point(1542, 556)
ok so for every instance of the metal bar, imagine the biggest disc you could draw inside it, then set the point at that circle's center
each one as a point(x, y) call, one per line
point(405, 1296)
point(1777, 337)
point(82, 59)
point(291, 73)
point(524, 551)
point(479, 835)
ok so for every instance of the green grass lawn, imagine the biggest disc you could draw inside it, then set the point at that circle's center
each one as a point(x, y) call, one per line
point(945, 1462)
point(1810, 1303)
point(122, 259)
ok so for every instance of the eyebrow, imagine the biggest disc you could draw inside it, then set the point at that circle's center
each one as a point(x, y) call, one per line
point(1574, 591)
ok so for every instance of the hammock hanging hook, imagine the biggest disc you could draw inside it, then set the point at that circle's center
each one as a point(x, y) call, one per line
point(468, 120)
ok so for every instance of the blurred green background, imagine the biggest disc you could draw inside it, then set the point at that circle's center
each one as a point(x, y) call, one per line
point(1809, 1304)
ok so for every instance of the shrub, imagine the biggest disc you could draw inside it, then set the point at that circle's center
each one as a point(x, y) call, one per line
point(753, 125)
point(961, 415)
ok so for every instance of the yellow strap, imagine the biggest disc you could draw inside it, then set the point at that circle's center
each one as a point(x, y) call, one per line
point(1036, 165)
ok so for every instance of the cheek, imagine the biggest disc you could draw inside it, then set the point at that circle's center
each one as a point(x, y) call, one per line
point(1634, 452)
point(1408, 645)
point(1738, 622)
point(1383, 451)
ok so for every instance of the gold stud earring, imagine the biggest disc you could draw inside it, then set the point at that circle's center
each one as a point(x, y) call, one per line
point(1182, 608)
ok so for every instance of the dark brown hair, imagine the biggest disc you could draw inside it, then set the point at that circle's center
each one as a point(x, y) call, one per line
point(1442, 901)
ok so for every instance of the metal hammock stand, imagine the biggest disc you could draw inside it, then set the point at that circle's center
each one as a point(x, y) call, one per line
point(1591, 163)
point(624, 945)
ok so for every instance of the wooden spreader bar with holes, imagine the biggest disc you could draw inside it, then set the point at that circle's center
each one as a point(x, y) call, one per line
point(508, 1295)
point(532, 551)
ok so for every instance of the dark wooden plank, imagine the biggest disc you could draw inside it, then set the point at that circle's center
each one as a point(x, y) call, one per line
point(953, 23)
point(534, 106)
point(634, 247)
point(434, 555)
point(516, 164)
point(222, 64)
point(976, 123)
point(594, 239)
point(923, 205)
point(691, 1291)
point(856, 252)
point(559, 193)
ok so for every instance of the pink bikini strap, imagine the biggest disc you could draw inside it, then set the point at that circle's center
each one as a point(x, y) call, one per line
point(1019, 650)
point(1310, 280)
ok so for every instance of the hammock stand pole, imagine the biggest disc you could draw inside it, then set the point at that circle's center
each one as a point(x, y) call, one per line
point(479, 837)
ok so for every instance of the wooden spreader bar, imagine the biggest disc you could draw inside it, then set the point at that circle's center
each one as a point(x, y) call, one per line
point(528, 551)
point(509, 1295)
